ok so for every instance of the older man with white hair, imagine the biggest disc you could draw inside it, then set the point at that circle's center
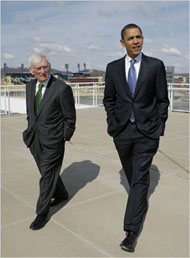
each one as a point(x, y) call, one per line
point(51, 119)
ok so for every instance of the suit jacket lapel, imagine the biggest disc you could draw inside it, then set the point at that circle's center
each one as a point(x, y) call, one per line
point(122, 72)
point(142, 74)
point(46, 96)
point(32, 96)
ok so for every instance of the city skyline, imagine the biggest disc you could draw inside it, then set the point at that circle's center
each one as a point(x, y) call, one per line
point(88, 32)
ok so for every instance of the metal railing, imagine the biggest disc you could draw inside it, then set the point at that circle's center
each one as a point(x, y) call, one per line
point(87, 95)
point(13, 99)
point(179, 96)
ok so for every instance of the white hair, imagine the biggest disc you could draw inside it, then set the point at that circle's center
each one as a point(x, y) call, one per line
point(36, 58)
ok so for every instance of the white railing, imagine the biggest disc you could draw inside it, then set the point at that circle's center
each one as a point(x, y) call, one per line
point(13, 100)
point(179, 96)
point(87, 95)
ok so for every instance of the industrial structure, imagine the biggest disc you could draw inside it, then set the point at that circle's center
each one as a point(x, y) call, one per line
point(21, 75)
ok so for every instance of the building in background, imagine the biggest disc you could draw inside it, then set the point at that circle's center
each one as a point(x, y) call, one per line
point(170, 74)
point(85, 80)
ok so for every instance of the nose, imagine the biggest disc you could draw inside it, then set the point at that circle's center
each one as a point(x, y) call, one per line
point(42, 70)
point(135, 40)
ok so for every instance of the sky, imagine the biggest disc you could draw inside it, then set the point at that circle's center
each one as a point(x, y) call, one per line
point(72, 32)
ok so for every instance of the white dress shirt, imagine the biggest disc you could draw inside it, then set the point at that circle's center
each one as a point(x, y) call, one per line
point(136, 65)
point(45, 85)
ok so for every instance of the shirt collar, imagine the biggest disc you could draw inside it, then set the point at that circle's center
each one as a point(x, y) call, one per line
point(137, 58)
point(44, 83)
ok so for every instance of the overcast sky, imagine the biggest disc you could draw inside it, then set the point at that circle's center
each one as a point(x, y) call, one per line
point(89, 31)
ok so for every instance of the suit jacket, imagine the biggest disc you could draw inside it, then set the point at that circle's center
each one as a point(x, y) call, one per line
point(55, 121)
point(150, 101)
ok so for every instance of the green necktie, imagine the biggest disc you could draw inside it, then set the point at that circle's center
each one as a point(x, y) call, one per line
point(38, 97)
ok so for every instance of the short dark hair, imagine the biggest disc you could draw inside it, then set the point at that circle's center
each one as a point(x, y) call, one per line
point(129, 26)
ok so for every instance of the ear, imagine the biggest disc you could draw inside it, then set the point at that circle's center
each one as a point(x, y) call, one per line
point(31, 71)
point(122, 43)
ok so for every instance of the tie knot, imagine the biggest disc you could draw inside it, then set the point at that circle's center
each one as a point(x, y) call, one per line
point(133, 61)
point(40, 86)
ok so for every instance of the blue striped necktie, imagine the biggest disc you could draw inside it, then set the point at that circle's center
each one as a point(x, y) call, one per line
point(132, 79)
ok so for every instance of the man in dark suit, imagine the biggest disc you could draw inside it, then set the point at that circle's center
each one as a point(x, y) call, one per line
point(51, 119)
point(136, 102)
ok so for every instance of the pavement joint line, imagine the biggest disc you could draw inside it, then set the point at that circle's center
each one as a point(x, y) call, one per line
point(177, 122)
point(72, 232)
point(173, 161)
point(17, 197)
point(176, 138)
point(91, 199)
point(16, 222)
point(167, 174)
point(175, 156)
point(96, 153)
point(82, 238)
point(92, 137)
point(174, 175)
point(69, 206)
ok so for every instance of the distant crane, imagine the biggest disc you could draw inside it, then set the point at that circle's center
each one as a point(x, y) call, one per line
point(67, 70)
point(78, 67)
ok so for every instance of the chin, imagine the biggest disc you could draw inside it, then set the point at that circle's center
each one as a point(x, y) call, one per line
point(136, 54)
point(43, 79)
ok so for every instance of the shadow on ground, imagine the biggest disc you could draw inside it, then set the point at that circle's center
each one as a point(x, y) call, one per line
point(75, 177)
point(154, 179)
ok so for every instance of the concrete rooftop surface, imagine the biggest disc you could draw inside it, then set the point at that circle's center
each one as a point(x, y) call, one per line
point(90, 223)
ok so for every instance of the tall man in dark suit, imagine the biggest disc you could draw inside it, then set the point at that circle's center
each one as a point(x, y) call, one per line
point(51, 119)
point(136, 102)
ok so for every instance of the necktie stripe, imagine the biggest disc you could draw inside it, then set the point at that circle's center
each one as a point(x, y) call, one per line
point(132, 83)
point(38, 97)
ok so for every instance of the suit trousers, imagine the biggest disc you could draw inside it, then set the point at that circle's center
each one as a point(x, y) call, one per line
point(49, 161)
point(136, 152)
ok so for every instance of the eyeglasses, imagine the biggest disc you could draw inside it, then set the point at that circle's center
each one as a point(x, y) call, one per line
point(45, 67)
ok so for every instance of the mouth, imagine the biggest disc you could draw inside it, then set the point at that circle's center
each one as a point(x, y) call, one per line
point(136, 48)
point(43, 75)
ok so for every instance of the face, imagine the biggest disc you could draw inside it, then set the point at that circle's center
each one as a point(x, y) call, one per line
point(41, 70)
point(133, 42)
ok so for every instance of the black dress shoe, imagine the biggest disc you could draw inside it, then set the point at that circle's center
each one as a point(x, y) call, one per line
point(129, 243)
point(56, 201)
point(39, 222)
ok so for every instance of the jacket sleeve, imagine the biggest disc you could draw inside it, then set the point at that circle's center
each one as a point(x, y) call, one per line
point(109, 100)
point(69, 112)
point(27, 109)
point(162, 100)
point(28, 133)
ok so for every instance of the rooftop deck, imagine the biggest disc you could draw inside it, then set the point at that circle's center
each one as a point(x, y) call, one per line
point(90, 224)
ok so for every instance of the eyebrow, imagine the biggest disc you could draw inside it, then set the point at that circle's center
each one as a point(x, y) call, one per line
point(132, 37)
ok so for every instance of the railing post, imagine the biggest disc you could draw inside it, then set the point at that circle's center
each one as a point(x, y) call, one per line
point(9, 106)
point(5, 100)
point(171, 96)
point(76, 100)
point(78, 93)
point(96, 96)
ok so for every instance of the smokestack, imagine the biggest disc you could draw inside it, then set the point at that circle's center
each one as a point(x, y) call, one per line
point(78, 67)
point(85, 66)
point(22, 68)
point(67, 70)
point(5, 68)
